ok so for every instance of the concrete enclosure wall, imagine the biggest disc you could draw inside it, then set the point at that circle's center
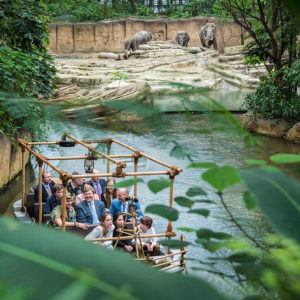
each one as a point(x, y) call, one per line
point(11, 158)
point(109, 36)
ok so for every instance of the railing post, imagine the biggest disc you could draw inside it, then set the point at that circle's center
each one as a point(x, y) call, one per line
point(64, 206)
point(23, 178)
point(40, 191)
point(108, 154)
point(136, 160)
point(170, 227)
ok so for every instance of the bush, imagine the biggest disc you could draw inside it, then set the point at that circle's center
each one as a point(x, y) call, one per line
point(281, 100)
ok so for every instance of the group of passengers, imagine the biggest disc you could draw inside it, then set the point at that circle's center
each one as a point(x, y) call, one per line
point(96, 204)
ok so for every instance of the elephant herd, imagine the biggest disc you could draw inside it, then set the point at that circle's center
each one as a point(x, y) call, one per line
point(207, 34)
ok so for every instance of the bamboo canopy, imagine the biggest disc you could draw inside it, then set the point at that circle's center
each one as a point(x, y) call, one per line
point(94, 154)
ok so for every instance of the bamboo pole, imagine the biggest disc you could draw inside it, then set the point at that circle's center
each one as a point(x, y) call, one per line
point(38, 156)
point(91, 148)
point(63, 206)
point(166, 263)
point(126, 174)
point(172, 267)
point(42, 143)
point(131, 237)
point(85, 157)
point(40, 192)
point(23, 178)
point(108, 162)
point(169, 228)
point(136, 160)
point(165, 256)
point(143, 154)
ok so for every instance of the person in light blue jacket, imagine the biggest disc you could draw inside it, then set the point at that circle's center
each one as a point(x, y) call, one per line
point(121, 204)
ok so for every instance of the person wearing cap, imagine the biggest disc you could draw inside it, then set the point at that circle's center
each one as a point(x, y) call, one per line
point(56, 214)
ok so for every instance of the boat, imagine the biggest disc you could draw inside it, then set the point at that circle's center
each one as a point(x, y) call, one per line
point(25, 210)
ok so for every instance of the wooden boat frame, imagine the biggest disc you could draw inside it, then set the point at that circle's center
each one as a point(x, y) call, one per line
point(94, 154)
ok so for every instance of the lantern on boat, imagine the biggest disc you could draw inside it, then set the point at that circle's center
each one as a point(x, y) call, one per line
point(89, 163)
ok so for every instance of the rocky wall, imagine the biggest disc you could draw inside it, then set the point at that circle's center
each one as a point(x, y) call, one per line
point(11, 158)
point(108, 36)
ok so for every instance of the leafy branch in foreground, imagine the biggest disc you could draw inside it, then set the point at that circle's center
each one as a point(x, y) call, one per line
point(66, 265)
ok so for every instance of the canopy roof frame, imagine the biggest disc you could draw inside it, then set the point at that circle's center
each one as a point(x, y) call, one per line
point(119, 173)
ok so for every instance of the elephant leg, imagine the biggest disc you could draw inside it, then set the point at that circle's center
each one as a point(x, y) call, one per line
point(215, 44)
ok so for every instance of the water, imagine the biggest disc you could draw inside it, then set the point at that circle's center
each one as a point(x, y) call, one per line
point(216, 147)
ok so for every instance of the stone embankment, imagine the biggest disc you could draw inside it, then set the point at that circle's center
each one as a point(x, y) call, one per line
point(274, 127)
point(11, 158)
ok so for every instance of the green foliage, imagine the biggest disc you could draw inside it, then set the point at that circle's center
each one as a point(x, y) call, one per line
point(167, 212)
point(195, 191)
point(27, 74)
point(285, 158)
point(20, 113)
point(57, 271)
point(26, 68)
point(279, 198)
point(174, 244)
point(145, 11)
point(221, 177)
point(157, 185)
point(272, 100)
point(127, 183)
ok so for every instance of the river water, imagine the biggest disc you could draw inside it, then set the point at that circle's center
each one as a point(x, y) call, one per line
point(158, 142)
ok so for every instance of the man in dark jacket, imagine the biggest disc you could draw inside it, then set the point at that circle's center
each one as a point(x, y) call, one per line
point(89, 211)
point(47, 186)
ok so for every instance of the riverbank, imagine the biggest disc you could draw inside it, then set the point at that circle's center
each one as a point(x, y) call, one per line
point(274, 127)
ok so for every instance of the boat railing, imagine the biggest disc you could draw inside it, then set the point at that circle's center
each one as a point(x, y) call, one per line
point(94, 154)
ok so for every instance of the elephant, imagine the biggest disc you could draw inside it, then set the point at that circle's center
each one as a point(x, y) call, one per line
point(208, 35)
point(140, 38)
point(182, 38)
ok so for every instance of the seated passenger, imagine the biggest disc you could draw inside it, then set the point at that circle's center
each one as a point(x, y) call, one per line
point(47, 186)
point(119, 222)
point(75, 185)
point(105, 230)
point(110, 192)
point(89, 211)
point(79, 198)
point(149, 245)
point(99, 185)
point(52, 201)
point(121, 204)
point(55, 217)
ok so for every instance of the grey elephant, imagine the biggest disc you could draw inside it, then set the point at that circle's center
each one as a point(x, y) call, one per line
point(208, 35)
point(140, 38)
point(182, 38)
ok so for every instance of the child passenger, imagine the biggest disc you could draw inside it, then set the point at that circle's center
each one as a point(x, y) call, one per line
point(149, 245)
point(119, 222)
point(104, 230)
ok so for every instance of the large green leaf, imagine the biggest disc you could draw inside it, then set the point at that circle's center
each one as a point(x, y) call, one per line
point(174, 244)
point(127, 183)
point(183, 201)
point(221, 177)
point(278, 196)
point(51, 264)
point(195, 191)
point(285, 158)
point(207, 234)
point(157, 185)
point(200, 211)
point(167, 212)
point(203, 165)
point(249, 201)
